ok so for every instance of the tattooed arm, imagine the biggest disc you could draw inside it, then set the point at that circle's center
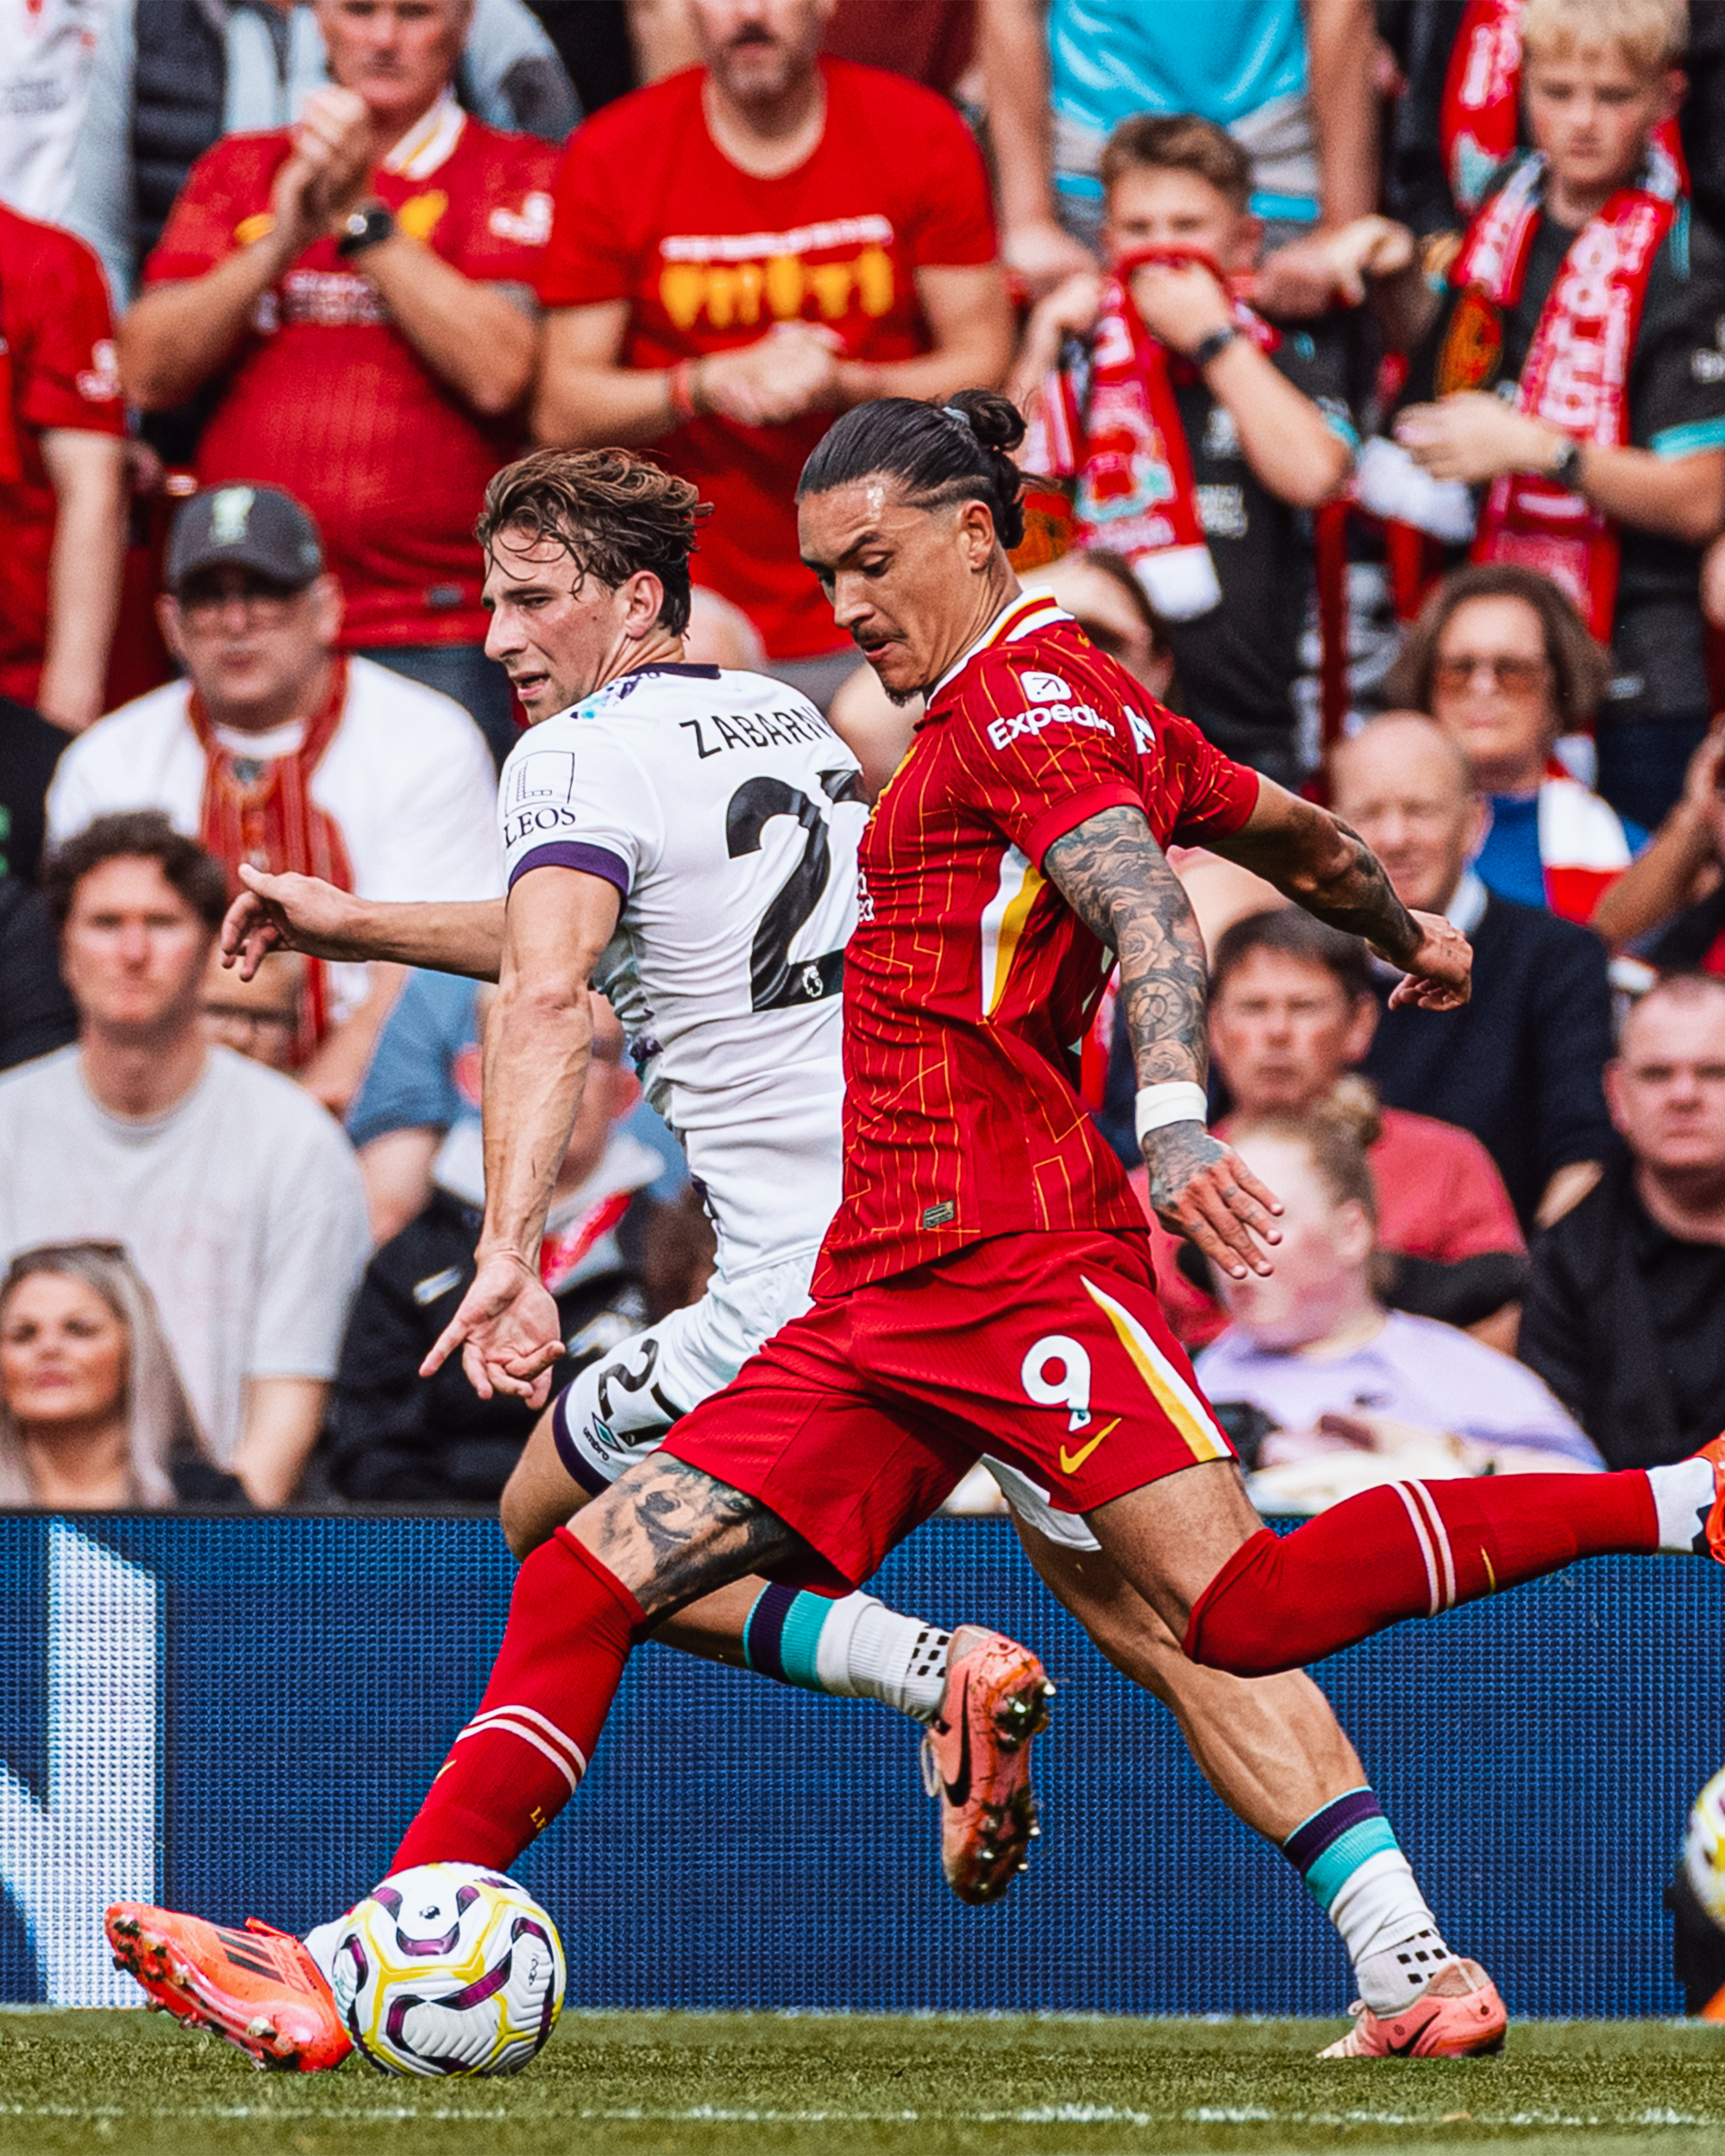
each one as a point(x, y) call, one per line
point(1115, 878)
point(1313, 857)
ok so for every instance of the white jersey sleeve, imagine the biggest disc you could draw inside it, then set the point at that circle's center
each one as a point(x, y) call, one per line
point(576, 796)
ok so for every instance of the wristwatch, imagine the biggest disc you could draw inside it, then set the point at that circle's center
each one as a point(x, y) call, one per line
point(1214, 345)
point(1565, 469)
point(365, 226)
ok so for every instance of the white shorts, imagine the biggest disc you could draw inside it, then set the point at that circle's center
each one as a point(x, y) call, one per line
point(622, 1406)
point(1030, 1501)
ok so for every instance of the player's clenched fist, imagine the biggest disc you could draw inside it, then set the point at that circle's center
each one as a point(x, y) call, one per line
point(1438, 977)
point(1203, 1189)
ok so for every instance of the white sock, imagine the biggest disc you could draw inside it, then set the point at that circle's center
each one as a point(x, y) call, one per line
point(869, 1651)
point(1392, 1938)
point(321, 1941)
point(1683, 1497)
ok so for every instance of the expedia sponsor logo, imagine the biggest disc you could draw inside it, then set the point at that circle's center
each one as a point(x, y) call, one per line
point(1033, 721)
point(1046, 688)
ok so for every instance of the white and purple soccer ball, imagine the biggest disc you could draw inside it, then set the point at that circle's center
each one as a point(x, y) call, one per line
point(449, 1969)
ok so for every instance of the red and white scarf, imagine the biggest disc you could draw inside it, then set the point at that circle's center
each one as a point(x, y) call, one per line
point(260, 811)
point(1127, 447)
point(1576, 375)
point(1478, 125)
point(1582, 847)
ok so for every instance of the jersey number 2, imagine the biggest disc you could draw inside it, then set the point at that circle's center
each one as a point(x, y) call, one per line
point(773, 983)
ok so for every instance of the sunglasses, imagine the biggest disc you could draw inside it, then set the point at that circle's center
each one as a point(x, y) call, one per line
point(1516, 677)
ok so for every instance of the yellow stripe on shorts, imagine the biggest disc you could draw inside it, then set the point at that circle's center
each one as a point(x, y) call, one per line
point(1175, 1398)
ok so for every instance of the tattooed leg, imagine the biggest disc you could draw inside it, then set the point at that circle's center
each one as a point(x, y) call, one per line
point(671, 1533)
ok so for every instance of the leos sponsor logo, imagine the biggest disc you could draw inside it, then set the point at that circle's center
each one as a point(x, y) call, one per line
point(537, 797)
point(1033, 721)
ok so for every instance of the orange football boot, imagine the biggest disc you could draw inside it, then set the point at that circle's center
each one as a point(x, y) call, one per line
point(1457, 2015)
point(258, 1988)
point(1713, 1532)
point(975, 1757)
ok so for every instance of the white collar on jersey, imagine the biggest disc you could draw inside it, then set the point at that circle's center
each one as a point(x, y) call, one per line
point(1021, 617)
point(427, 143)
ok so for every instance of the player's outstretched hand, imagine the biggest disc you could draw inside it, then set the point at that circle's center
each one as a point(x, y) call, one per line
point(1439, 975)
point(288, 912)
point(508, 1332)
point(1203, 1189)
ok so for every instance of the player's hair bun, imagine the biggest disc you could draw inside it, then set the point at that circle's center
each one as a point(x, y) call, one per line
point(995, 420)
point(951, 449)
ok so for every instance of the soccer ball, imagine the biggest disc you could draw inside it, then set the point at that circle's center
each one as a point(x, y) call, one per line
point(1703, 1849)
point(449, 1969)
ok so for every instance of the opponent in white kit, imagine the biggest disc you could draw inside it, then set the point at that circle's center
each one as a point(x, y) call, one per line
point(690, 835)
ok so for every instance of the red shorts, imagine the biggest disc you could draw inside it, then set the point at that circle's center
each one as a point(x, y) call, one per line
point(855, 1421)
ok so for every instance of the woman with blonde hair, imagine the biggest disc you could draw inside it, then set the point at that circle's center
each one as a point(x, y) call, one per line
point(1346, 1393)
point(93, 1411)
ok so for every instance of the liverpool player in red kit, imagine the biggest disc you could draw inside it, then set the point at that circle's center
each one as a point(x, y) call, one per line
point(985, 1288)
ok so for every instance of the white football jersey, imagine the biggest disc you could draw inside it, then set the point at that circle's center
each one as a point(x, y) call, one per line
point(727, 813)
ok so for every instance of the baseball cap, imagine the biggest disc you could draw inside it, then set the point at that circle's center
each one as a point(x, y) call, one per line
point(255, 528)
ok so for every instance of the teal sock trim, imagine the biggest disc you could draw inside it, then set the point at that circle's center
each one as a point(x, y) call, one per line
point(1344, 1857)
point(804, 1621)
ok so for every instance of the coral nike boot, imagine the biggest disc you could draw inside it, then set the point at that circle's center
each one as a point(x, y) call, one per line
point(1712, 1538)
point(975, 1757)
point(258, 1988)
point(1458, 2015)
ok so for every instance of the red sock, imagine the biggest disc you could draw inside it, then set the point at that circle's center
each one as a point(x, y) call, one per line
point(1409, 1550)
point(516, 1764)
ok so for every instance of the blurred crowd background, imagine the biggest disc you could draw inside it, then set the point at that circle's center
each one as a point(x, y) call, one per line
point(1374, 356)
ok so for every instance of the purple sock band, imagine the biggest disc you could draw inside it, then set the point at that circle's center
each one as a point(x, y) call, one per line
point(1308, 1841)
point(582, 1469)
point(763, 1634)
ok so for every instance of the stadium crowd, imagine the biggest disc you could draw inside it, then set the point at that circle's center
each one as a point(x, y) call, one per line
point(1374, 362)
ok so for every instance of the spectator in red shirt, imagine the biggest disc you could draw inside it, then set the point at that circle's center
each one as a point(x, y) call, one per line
point(356, 291)
point(1291, 1012)
point(742, 251)
point(62, 473)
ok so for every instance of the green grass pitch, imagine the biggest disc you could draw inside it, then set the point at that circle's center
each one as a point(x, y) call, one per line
point(624, 2084)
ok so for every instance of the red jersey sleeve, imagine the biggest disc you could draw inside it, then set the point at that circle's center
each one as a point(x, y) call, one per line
point(1210, 796)
point(590, 256)
point(228, 189)
point(1040, 753)
point(1049, 750)
point(64, 362)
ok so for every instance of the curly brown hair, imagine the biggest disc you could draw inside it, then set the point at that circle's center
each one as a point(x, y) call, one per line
point(143, 835)
point(614, 513)
point(1581, 667)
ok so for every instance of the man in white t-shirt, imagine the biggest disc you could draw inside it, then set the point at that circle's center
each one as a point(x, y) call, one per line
point(235, 1196)
point(277, 751)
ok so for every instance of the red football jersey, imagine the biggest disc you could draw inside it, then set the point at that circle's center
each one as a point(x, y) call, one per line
point(970, 982)
point(56, 370)
point(328, 400)
point(651, 210)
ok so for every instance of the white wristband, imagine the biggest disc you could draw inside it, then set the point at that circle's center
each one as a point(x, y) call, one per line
point(1177, 1101)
